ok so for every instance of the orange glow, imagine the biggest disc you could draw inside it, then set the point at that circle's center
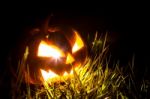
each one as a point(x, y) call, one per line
point(78, 43)
point(46, 50)
point(69, 59)
point(48, 75)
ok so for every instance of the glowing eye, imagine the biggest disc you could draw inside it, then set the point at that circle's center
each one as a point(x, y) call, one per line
point(46, 50)
point(78, 43)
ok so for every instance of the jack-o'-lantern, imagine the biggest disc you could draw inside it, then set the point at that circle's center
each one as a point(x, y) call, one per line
point(54, 53)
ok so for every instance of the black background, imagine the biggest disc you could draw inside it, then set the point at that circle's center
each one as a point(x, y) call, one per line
point(126, 24)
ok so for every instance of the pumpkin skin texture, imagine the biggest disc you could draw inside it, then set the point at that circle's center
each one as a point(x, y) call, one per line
point(62, 38)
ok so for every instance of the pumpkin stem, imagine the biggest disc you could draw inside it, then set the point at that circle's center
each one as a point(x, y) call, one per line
point(45, 25)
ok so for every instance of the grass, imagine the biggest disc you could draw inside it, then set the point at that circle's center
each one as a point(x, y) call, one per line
point(95, 80)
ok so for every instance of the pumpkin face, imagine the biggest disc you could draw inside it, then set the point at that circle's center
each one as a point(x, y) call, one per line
point(54, 53)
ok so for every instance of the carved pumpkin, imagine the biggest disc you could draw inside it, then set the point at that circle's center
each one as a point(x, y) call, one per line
point(54, 53)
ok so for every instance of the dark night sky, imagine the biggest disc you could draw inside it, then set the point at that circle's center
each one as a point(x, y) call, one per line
point(126, 26)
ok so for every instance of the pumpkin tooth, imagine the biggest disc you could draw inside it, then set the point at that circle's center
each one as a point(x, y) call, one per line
point(48, 75)
point(65, 74)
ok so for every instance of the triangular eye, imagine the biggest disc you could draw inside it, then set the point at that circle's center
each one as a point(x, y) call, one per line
point(46, 50)
point(78, 43)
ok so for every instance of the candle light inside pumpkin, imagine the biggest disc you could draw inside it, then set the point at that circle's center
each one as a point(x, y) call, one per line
point(46, 50)
point(52, 51)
